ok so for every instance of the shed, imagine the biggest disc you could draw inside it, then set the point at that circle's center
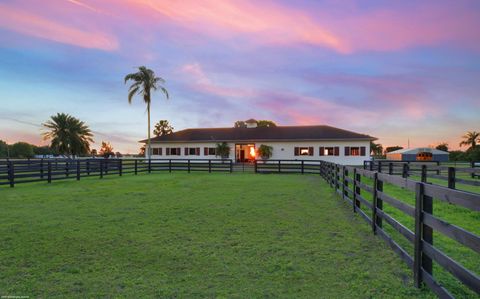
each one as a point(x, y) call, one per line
point(418, 154)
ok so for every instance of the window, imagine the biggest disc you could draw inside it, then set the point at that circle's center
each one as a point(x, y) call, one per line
point(355, 151)
point(303, 151)
point(329, 151)
point(212, 151)
point(192, 151)
point(174, 151)
point(157, 151)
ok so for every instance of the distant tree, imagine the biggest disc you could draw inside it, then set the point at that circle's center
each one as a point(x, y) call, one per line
point(142, 151)
point(93, 152)
point(3, 149)
point(162, 128)
point(68, 135)
point(42, 150)
point(442, 147)
point(106, 150)
point(239, 124)
point(470, 139)
point(265, 151)
point(458, 156)
point(223, 150)
point(390, 149)
point(144, 81)
point(376, 148)
point(266, 124)
point(474, 154)
point(118, 155)
point(21, 150)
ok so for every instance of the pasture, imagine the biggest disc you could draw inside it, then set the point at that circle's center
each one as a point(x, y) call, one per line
point(192, 235)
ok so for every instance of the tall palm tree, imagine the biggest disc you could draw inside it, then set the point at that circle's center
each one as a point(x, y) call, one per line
point(143, 82)
point(67, 134)
point(471, 138)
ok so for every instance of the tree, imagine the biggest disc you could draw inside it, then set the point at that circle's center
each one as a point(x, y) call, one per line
point(68, 135)
point(266, 124)
point(42, 150)
point(239, 124)
point(393, 148)
point(143, 82)
point(474, 154)
point(93, 152)
point(106, 150)
point(376, 148)
point(162, 128)
point(457, 156)
point(3, 149)
point(118, 155)
point(265, 151)
point(22, 150)
point(471, 139)
point(223, 150)
point(442, 147)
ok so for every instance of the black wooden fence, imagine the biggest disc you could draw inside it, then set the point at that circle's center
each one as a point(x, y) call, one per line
point(347, 182)
point(24, 171)
point(452, 175)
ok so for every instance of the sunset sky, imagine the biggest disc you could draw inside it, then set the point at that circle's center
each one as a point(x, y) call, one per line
point(396, 70)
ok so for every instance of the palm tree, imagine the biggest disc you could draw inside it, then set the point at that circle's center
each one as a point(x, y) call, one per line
point(471, 138)
point(68, 135)
point(143, 82)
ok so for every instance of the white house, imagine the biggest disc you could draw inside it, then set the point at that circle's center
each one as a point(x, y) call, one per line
point(288, 143)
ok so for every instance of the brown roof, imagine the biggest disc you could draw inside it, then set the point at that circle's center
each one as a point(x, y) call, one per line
point(281, 133)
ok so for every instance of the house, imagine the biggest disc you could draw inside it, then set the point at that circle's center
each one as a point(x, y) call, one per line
point(288, 143)
point(418, 154)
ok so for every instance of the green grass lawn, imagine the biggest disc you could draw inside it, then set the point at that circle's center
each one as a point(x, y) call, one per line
point(192, 235)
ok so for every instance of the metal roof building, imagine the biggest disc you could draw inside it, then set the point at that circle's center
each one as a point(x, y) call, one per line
point(418, 154)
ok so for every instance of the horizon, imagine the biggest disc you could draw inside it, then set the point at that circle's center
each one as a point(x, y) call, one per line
point(403, 72)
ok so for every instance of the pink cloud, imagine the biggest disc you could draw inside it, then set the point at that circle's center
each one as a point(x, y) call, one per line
point(201, 82)
point(34, 25)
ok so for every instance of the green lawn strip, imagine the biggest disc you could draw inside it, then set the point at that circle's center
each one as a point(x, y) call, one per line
point(192, 235)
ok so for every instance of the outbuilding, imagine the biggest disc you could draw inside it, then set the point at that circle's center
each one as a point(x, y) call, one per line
point(418, 154)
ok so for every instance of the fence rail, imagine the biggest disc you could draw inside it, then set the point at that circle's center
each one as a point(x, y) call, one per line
point(14, 172)
point(347, 182)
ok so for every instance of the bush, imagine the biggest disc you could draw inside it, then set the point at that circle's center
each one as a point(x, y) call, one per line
point(265, 151)
point(3, 149)
point(22, 150)
point(474, 154)
point(458, 156)
point(223, 150)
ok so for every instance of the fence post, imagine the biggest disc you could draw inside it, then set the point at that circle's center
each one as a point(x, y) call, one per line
point(472, 165)
point(170, 165)
point(149, 165)
point(345, 183)
point(188, 165)
point(49, 172)
point(404, 170)
point(279, 167)
point(209, 165)
point(255, 165)
point(136, 167)
point(372, 163)
point(375, 198)
point(423, 233)
point(120, 167)
point(88, 167)
point(358, 179)
point(101, 168)
point(354, 189)
point(67, 168)
point(380, 166)
point(231, 166)
point(303, 170)
point(438, 167)
point(379, 205)
point(451, 177)
point(424, 173)
point(41, 169)
point(78, 170)
point(336, 178)
point(11, 174)
point(390, 168)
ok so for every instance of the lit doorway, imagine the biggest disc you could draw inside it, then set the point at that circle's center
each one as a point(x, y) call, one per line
point(244, 152)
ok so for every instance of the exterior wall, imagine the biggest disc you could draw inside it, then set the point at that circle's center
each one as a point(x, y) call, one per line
point(413, 157)
point(394, 156)
point(281, 150)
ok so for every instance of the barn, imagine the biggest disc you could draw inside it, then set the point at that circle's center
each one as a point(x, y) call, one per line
point(418, 154)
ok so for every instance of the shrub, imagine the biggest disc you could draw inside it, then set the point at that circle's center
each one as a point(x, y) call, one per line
point(265, 151)
point(22, 150)
point(223, 150)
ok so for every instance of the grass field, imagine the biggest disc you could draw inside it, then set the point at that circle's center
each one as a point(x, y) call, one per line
point(192, 235)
